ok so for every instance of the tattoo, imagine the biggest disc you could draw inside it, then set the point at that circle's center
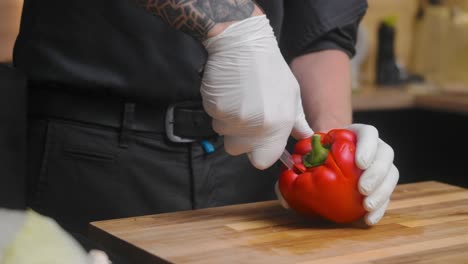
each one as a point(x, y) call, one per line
point(198, 17)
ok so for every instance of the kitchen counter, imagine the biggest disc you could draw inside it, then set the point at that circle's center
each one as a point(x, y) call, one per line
point(382, 99)
point(427, 222)
point(371, 99)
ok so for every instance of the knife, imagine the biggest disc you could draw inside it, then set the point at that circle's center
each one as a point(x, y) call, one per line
point(287, 160)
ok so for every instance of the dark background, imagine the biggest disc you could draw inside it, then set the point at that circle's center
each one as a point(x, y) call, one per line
point(12, 138)
point(428, 145)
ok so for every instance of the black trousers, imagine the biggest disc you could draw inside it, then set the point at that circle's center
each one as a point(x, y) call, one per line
point(78, 173)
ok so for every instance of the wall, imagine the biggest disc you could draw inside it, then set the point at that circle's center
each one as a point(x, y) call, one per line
point(405, 11)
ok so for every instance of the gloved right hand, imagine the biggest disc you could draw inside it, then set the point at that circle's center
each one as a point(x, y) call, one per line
point(250, 92)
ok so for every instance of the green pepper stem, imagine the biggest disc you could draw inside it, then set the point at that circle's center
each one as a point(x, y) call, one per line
point(317, 155)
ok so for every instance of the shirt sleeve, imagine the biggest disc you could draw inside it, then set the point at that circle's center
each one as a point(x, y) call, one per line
point(315, 25)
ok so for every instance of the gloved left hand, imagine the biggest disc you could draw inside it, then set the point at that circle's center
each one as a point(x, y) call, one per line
point(380, 175)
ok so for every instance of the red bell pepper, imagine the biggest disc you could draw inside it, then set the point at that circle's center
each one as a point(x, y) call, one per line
point(329, 185)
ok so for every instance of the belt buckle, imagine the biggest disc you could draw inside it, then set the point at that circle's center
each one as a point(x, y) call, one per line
point(169, 124)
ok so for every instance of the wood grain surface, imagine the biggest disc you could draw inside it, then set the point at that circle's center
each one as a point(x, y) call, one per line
point(426, 222)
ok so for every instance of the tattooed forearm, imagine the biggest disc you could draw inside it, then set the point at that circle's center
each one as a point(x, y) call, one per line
point(198, 17)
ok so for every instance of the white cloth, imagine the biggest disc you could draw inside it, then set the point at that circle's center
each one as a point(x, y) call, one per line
point(250, 92)
point(32, 238)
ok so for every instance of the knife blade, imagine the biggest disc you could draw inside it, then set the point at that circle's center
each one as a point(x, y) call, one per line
point(287, 160)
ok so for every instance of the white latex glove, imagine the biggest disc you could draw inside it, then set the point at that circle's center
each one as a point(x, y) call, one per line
point(380, 175)
point(29, 238)
point(250, 92)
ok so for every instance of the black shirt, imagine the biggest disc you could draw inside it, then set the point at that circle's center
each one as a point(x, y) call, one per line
point(115, 47)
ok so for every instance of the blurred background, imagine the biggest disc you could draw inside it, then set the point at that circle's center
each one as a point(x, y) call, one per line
point(10, 15)
point(410, 79)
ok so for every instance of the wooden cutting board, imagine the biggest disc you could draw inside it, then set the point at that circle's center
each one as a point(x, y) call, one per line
point(426, 222)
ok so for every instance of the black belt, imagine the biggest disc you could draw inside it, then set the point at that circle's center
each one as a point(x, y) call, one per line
point(186, 120)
